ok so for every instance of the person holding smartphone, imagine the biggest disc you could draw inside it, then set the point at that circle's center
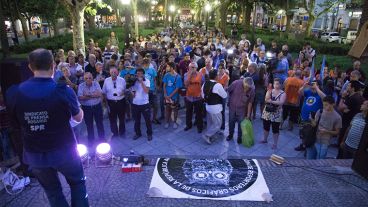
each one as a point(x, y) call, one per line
point(140, 105)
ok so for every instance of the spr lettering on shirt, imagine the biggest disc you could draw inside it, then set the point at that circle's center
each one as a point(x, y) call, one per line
point(36, 120)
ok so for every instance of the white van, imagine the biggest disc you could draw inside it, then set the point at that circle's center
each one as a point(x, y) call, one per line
point(350, 37)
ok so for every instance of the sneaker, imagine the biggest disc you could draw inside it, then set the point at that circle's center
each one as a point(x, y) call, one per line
point(230, 137)
point(175, 125)
point(207, 139)
point(166, 125)
point(149, 137)
point(299, 148)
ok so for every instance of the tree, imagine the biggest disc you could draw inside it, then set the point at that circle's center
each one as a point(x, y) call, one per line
point(3, 35)
point(314, 13)
point(223, 15)
point(76, 10)
point(96, 7)
point(364, 17)
point(15, 9)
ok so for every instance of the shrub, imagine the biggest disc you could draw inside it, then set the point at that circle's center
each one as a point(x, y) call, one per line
point(65, 41)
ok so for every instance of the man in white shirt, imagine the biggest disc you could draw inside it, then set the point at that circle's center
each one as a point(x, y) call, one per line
point(113, 91)
point(140, 105)
point(213, 93)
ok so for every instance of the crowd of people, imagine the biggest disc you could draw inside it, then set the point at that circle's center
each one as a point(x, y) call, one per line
point(205, 74)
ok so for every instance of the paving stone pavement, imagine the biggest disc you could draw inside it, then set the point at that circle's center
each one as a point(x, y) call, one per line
point(177, 142)
point(290, 185)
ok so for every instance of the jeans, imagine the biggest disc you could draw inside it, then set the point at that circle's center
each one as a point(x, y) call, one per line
point(74, 175)
point(144, 110)
point(233, 118)
point(311, 153)
point(197, 106)
point(160, 94)
point(321, 150)
point(6, 148)
point(94, 113)
point(117, 110)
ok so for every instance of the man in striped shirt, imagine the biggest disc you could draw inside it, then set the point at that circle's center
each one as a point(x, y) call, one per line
point(354, 133)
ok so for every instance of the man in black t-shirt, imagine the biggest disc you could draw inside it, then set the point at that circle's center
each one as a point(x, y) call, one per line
point(43, 109)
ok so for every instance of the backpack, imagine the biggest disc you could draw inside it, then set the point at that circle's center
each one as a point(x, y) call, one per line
point(309, 132)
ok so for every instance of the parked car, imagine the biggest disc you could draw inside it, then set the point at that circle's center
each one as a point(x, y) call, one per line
point(350, 37)
point(331, 37)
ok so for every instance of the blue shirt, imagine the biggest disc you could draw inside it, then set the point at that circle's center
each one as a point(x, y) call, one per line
point(57, 75)
point(125, 72)
point(172, 82)
point(312, 103)
point(283, 65)
point(43, 110)
point(151, 74)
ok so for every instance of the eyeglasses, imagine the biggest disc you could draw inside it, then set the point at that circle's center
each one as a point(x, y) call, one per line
point(87, 78)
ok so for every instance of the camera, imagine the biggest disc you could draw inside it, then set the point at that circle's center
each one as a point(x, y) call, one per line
point(130, 80)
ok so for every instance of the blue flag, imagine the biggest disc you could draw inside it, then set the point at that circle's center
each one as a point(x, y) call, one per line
point(311, 75)
point(322, 69)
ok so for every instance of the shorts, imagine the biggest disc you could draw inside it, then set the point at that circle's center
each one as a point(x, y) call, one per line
point(152, 96)
point(275, 126)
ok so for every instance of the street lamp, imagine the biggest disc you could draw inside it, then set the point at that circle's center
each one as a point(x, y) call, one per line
point(172, 10)
point(207, 8)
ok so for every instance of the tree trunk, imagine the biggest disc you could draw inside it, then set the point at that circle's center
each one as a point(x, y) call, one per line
point(56, 28)
point(77, 16)
point(364, 16)
point(91, 22)
point(289, 17)
point(29, 23)
point(246, 21)
point(166, 16)
point(3, 35)
point(14, 30)
point(149, 22)
point(135, 14)
point(127, 33)
point(49, 27)
point(223, 16)
point(217, 17)
point(311, 20)
point(199, 16)
point(24, 28)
